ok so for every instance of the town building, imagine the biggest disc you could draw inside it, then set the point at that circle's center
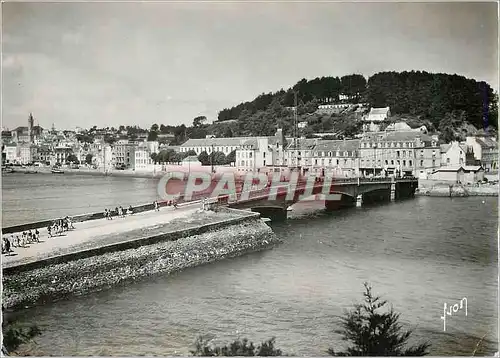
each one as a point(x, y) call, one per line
point(298, 153)
point(207, 145)
point(338, 158)
point(485, 150)
point(123, 153)
point(410, 153)
point(258, 153)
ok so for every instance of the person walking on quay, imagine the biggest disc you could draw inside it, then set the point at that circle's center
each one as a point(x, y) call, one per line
point(130, 211)
point(106, 214)
point(120, 212)
point(155, 204)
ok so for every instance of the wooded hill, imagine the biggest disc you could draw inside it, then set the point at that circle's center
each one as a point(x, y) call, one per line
point(438, 100)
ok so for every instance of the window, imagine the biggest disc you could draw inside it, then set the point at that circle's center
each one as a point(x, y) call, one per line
point(404, 163)
point(345, 162)
point(410, 163)
point(322, 162)
point(337, 162)
point(447, 160)
point(264, 155)
point(264, 161)
point(345, 154)
point(397, 153)
point(315, 161)
point(330, 162)
point(386, 162)
point(392, 162)
point(421, 163)
point(330, 154)
point(250, 155)
point(433, 162)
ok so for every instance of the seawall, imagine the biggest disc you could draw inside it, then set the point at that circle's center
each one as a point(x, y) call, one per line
point(80, 273)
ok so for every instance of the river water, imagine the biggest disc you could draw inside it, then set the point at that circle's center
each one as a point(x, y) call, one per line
point(418, 254)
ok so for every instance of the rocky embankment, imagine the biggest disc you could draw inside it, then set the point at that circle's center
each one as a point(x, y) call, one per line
point(458, 190)
point(115, 268)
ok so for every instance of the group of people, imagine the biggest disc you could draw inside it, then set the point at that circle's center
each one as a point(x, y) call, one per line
point(119, 211)
point(59, 226)
point(19, 240)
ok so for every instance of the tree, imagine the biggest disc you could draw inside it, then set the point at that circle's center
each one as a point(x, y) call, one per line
point(449, 124)
point(152, 136)
point(228, 133)
point(154, 157)
point(217, 158)
point(241, 348)
point(204, 158)
point(72, 159)
point(88, 159)
point(199, 121)
point(375, 334)
point(191, 152)
point(231, 157)
point(14, 336)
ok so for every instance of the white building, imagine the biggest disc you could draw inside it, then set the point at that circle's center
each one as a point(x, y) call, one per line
point(261, 153)
point(378, 114)
point(142, 158)
point(453, 154)
point(12, 153)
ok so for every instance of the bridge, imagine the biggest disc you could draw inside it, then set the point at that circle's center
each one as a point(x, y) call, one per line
point(273, 202)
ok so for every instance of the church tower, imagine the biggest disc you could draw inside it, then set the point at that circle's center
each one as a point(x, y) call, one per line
point(31, 122)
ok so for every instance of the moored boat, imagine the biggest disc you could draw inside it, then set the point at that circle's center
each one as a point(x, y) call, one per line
point(57, 171)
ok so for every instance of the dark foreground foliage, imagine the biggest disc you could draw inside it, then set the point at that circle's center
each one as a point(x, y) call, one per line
point(14, 336)
point(242, 348)
point(373, 333)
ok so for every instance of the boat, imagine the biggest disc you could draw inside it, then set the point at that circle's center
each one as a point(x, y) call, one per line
point(30, 172)
point(8, 170)
point(57, 171)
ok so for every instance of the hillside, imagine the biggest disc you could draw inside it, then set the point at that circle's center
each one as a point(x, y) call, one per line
point(443, 102)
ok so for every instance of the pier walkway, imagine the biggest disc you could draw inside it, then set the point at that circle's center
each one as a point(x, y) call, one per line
point(93, 231)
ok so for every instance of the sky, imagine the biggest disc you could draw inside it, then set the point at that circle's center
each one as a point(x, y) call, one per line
point(138, 63)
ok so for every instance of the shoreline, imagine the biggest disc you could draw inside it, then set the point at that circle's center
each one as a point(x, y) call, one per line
point(457, 190)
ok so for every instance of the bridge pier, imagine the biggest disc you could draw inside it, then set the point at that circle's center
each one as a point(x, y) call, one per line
point(406, 190)
point(275, 214)
point(346, 201)
point(377, 196)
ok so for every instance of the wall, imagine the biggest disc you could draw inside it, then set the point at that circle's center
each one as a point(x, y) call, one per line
point(75, 219)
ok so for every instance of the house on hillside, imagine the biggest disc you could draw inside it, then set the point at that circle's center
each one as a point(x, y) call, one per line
point(378, 114)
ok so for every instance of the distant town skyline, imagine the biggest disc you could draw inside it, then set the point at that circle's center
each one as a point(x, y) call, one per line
point(111, 64)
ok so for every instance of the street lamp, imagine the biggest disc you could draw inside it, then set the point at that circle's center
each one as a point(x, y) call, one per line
point(374, 158)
